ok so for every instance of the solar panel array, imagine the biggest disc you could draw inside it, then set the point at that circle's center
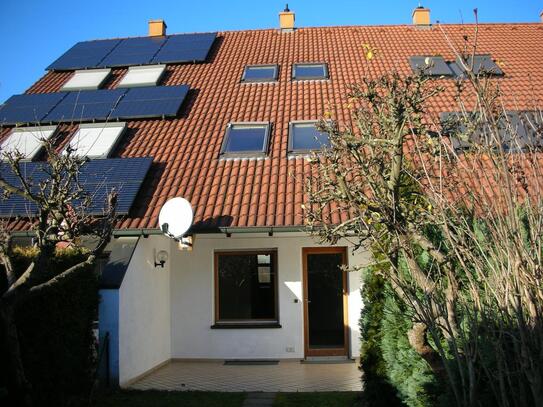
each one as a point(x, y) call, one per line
point(482, 64)
point(97, 177)
point(85, 106)
point(148, 102)
point(185, 48)
point(518, 132)
point(91, 105)
point(29, 108)
point(436, 65)
point(84, 55)
point(136, 51)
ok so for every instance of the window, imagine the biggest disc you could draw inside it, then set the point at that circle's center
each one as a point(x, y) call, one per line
point(246, 287)
point(27, 140)
point(302, 72)
point(96, 140)
point(304, 137)
point(142, 76)
point(430, 65)
point(260, 73)
point(87, 79)
point(246, 139)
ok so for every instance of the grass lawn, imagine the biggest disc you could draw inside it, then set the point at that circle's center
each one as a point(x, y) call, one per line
point(320, 399)
point(153, 398)
point(134, 398)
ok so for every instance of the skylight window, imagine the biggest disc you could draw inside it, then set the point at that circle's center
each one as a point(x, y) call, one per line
point(246, 139)
point(88, 79)
point(27, 141)
point(96, 140)
point(312, 71)
point(305, 137)
point(430, 65)
point(260, 73)
point(148, 75)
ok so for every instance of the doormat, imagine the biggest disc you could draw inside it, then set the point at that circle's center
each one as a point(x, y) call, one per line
point(250, 362)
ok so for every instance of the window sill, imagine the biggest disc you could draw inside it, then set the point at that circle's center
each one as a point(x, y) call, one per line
point(247, 325)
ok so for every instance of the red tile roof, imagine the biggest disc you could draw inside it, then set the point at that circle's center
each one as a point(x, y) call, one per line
point(269, 192)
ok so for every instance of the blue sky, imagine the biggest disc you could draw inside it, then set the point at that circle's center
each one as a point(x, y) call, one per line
point(33, 33)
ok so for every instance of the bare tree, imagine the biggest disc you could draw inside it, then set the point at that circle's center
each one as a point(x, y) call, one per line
point(63, 217)
point(460, 230)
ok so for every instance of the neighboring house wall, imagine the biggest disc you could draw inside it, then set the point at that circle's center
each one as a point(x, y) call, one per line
point(144, 311)
point(192, 300)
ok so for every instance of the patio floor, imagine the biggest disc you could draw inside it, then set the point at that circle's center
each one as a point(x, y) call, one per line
point(286, 376)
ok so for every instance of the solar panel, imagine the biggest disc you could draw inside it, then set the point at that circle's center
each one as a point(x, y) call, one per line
point(97, 177)
point(87, 54)
point(133, 51)
point(436, 65)
point(85, 105)
point(185, 48)
point(482, 64)
point(521, 131)
point(29, 108)
point(154, 101)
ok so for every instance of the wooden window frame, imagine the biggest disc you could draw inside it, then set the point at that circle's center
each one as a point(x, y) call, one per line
point(245, 323)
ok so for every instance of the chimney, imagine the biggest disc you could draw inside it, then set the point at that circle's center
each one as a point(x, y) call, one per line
point(541, 16)
point(157, 28)
point(421, 17)
point(286, 20)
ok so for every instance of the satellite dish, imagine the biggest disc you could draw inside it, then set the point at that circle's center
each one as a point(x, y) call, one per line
point(175, 218)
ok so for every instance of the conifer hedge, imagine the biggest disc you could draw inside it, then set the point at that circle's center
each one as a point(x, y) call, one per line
point(56, 332)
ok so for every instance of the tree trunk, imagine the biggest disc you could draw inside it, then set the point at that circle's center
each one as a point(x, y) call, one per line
point(18, 386)
point(418, 341)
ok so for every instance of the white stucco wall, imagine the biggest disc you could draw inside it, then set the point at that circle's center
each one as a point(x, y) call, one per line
point(192, 300)
point(144, 311)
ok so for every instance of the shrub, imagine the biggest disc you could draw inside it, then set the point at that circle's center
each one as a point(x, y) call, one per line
point(55, 328)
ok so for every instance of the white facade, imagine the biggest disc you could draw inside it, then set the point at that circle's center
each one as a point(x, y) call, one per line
point(168, 313)
point(144, 311)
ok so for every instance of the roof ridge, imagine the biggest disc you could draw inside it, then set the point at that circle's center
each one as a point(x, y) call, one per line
point(535, 23)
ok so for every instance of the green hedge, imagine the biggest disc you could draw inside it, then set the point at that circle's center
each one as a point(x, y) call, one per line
point(55, 328)
point(378, 391)
point(394, 374)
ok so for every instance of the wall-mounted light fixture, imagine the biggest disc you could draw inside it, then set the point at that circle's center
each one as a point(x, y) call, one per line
point(160, 258)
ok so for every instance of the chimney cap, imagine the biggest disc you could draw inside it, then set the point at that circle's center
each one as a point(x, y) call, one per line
point(286, 20)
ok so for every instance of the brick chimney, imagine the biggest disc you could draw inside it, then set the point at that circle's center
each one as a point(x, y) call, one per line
point(421, 17)
point(286, 20)
point(157, 28)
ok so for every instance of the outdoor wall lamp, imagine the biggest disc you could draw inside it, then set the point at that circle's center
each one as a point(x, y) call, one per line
point(161, 258)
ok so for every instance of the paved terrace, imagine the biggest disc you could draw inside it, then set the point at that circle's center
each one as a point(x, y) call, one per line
point(286, 376)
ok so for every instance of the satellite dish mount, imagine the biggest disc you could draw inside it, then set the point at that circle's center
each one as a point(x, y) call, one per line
point(175, 219)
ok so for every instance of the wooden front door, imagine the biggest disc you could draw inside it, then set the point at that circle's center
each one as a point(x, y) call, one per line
point(325, 301)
